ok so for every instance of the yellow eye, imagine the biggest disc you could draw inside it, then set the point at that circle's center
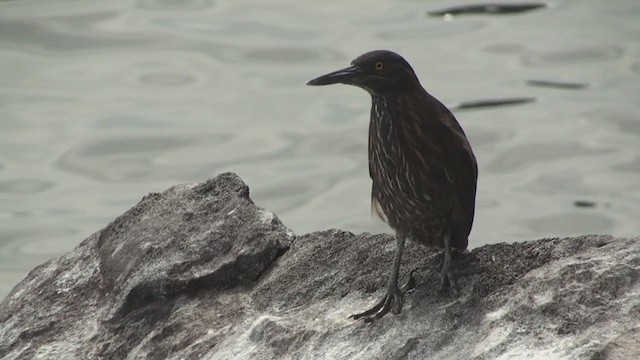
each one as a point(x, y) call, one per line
point(379, 65)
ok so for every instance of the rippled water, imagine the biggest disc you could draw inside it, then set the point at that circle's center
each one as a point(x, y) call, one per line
point(103, 102)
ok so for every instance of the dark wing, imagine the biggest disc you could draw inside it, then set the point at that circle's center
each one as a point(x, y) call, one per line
point(451, 158)
point(376, 208)
point(427, 162)
point(462, 171)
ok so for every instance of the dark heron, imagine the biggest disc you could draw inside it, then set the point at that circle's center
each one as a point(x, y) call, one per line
point(423, 169)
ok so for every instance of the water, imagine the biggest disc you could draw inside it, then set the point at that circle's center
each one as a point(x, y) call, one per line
point(103, 102)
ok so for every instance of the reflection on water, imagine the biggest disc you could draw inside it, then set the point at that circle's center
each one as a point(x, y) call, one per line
point(557, 84)
point(495, 9)
point(103, 102)
point(483, 103)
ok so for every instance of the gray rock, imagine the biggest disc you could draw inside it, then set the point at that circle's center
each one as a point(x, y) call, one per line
point(200, 272)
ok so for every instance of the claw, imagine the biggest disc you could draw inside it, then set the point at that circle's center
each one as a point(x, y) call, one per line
point(448, 277)
point(393, 297)
point(410, 284)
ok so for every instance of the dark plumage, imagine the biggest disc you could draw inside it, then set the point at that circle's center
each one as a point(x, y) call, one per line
point(423, 169)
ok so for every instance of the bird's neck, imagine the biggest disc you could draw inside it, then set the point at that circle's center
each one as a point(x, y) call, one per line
point(382, 116)
point(384, 131)
point(396, 122)
point(385, 114)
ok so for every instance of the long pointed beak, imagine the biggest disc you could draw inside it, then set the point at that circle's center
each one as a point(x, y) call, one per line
point(343, 76)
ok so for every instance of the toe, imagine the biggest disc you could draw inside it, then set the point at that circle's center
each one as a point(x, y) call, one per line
point(410, 284)
point(452, 284)
point(448, 280)
point(372, 311)
point(392, 301)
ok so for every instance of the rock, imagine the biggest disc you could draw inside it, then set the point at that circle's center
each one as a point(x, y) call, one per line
point(200, 272)
point(122, 285)
point(624, 347)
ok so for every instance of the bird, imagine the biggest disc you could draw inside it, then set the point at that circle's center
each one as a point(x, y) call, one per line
point(424, 173)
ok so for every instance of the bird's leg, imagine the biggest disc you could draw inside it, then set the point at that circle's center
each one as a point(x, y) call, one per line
point(410, 284)
point(447, 272)
point(393, 296)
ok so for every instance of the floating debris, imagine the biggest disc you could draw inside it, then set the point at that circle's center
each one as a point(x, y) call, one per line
point(492, 103)
point(492, 9)
point(584, 204)
point(557, 84)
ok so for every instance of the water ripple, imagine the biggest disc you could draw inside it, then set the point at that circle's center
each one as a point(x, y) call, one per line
point(41, 36)
point(631, 166)
point(167, 78)
point(281, 54)
point(432, 30)
point(25, 185)
point(525, 156)
point(174, 5)
point(572, 223)
point(572, 56)
point(120, 158)
point(627, 123)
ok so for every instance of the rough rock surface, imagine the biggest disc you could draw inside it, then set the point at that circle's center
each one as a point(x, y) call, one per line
point(200, 272)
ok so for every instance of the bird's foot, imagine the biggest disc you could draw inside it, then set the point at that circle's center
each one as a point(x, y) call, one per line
point(394, 297)
point(447, 278)
point(410, 284)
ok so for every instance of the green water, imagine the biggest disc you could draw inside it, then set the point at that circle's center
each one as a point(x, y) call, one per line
point(103, 102)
